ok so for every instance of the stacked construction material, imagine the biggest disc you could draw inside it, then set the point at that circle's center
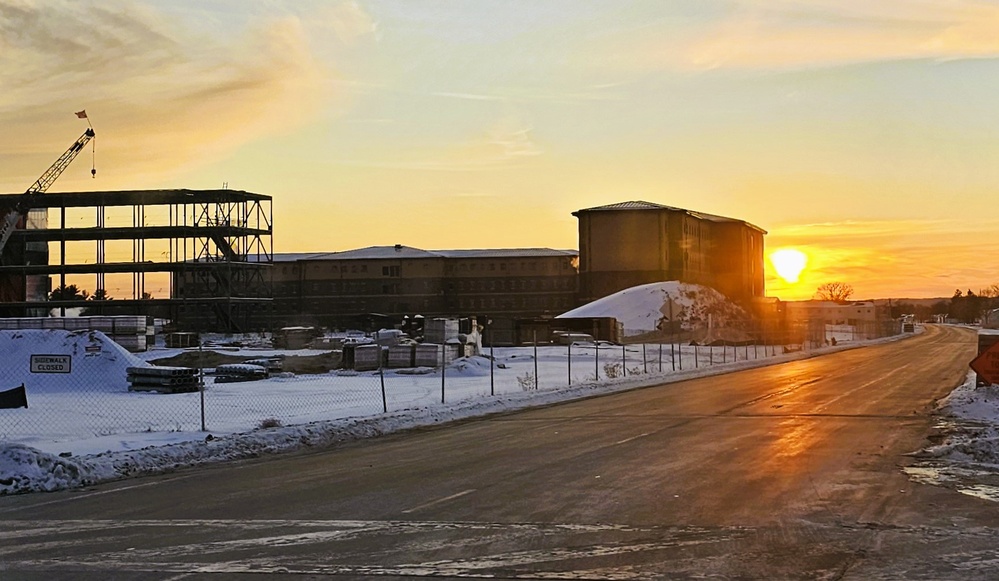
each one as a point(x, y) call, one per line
point(163, 379)
point(133, 332)
point(400, 356)
point(237, 372)
point(367, 357)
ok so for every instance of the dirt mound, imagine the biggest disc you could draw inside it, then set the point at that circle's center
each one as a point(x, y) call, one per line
point(298, 364)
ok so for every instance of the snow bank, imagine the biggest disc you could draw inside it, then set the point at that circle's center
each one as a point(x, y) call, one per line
point(971, 426)
point(24, 469)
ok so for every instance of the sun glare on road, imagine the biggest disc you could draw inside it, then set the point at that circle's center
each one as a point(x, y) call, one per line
point(789, 262)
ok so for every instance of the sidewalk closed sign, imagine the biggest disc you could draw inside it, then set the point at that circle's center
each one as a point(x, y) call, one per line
point(51, 363)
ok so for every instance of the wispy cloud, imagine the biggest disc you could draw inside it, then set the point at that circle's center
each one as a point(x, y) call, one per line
point(773, 34)
point(161, 94)
point(506, 142)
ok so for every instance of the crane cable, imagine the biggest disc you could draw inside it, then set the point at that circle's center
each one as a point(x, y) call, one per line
point(93, 152)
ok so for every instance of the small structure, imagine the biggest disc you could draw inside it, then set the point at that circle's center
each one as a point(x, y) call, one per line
point(295, 337)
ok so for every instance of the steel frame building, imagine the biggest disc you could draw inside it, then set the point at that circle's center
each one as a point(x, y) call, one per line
point(219, 240)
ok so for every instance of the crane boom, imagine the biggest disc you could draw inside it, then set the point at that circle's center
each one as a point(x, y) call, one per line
point(41, 185)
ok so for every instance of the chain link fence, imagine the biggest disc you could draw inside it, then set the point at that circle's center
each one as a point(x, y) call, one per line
point(80, 385)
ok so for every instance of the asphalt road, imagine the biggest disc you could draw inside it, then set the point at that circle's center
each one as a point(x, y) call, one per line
point(789, 471)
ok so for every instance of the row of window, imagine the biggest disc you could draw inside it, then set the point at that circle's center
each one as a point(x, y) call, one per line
point(507, 266)
point(426, 286)
point(544, 303)
point(499, 304)
point(395, 270)
point(507, 303)
point(523, 284)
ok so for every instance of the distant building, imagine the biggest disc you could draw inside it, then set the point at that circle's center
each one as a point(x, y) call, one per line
point(354, 287)
point(857, 313)
point(633, 243)
point(830, 321)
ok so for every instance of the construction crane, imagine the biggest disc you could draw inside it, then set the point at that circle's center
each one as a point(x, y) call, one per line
point(28, 200)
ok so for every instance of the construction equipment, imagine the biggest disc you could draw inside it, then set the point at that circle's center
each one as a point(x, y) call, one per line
point(27, 201)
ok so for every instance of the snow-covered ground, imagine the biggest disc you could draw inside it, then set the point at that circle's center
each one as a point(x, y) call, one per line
point(85, 426)
point(54, 449)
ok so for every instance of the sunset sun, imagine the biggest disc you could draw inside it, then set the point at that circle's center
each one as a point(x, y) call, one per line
point(789, 262)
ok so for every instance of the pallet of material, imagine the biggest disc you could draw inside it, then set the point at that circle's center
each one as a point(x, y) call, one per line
point(238, 372)
point(164, 384)
point(163, 379)
point(158, 371)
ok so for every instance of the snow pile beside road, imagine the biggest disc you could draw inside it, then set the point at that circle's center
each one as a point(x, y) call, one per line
point(24, 469)
point(974, 436)
point(971, 402)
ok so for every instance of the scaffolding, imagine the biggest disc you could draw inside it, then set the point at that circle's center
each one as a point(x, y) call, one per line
point(218, 255)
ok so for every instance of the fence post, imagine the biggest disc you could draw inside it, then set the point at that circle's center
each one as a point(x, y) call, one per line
point(535, 360)
point(672, 353)
point(201, 382)
point(596, 360)
point(443, 367)
point(492, 363)
point(569, 352)
point(624, 360)
point(381, 376)
point(660, 355)
point(697, 363)
point(645, 361)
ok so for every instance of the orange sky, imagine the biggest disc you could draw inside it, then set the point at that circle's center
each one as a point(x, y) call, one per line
point(864, 134)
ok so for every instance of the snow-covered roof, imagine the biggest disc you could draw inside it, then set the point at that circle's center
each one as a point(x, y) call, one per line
point(506, 253)
point(400, 251)
point(642, 206)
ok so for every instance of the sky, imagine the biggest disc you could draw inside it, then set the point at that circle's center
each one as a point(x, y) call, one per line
point(864, 134)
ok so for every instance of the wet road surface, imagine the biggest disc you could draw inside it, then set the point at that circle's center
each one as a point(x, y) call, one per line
point(790, 471)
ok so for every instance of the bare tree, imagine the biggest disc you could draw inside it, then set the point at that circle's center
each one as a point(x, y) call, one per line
point(834, 291)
